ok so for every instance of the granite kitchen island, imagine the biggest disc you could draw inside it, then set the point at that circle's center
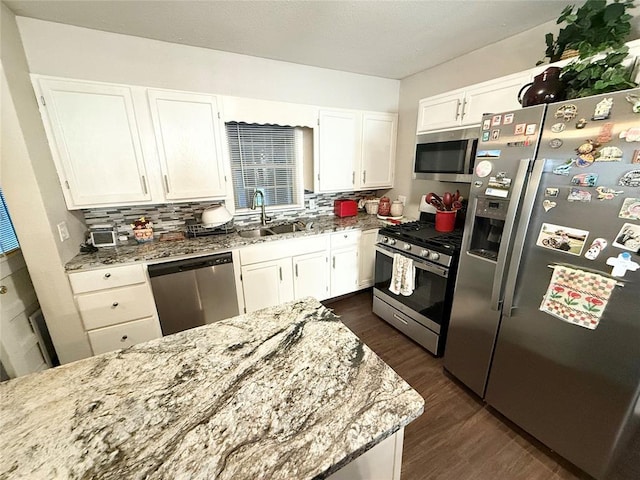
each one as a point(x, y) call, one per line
point(283, 393)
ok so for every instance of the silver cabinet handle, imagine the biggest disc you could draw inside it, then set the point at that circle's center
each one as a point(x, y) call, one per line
point(107, 275)
point(334, 262)
point(144, 184)
point(364, 176)
point(3, 289)
point(458, 110)
point(400, 319)
point(464, 104)
point(166, 184)
point(280, 268)
point(353, 178)
point(296, 269)
point(115, 304)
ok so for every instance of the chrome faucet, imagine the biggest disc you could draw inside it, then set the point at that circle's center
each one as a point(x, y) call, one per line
point(263, 215)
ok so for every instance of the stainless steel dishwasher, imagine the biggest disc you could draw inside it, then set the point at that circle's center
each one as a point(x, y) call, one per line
point(194, 292)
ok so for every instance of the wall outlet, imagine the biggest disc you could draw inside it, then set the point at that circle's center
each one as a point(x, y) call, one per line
point(312, 204)
point(403, 199)
point(63, 231)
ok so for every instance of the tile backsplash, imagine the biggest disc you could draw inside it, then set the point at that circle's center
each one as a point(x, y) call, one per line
point(171, 217)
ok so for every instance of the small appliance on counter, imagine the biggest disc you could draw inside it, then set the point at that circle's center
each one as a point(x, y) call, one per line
point(345, 208)
point(103, 235)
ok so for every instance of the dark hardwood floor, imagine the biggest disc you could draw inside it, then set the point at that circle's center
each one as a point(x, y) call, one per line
point(457, 437)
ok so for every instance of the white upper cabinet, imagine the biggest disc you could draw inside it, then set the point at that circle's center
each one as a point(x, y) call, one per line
point(356, 150)
point(379, 132)
point(338, 150)
point(187, 133)
point(95, 142)
point(465, 107)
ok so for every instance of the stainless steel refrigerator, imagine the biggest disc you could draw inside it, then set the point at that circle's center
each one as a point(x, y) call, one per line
point(546, 316)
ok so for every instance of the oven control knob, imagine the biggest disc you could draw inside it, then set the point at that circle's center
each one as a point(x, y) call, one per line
point(434, 256)
point(424, 253)
point(391, 241)
point(407, 246)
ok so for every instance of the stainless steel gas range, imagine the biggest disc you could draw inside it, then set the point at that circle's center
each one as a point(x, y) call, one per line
point(421, 312)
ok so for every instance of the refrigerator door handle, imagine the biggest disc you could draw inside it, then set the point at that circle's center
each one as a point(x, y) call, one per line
point(503, 254)
point(521, 234)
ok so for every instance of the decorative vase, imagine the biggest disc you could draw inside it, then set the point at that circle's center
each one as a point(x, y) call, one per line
point(545, 88)
point(396, 208)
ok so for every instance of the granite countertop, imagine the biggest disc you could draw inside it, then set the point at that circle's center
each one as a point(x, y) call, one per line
point(283, 393)
point(173, 250)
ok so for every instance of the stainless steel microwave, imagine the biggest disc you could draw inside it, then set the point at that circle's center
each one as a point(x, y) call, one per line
point(446, 156)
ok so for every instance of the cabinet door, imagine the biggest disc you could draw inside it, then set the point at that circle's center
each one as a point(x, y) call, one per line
point(311, 276)
point(267, 284)
point(378, 150)
point(441, 111)
point(338, 150)
point(367, 258)
point(95, 142)
point(493, 97)
point(344, 271)
point(187, 134)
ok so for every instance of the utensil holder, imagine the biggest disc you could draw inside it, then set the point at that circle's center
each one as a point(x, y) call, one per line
point(445, 220)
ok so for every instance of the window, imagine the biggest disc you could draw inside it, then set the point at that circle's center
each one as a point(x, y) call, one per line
point(8, 240)
point(267, 158)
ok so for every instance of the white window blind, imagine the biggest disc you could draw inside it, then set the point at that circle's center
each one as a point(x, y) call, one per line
point(267, 158)
point(8, 240)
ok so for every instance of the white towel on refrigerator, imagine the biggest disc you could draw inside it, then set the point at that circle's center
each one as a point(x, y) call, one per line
point(402, 276)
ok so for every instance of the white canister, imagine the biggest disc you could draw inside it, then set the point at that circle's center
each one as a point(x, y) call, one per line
point(397, 208)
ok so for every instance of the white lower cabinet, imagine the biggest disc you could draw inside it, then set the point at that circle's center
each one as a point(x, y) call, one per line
point(367, 258)
point(311, 275)
point(266, 284)
point(117, 307)
point(344, 262)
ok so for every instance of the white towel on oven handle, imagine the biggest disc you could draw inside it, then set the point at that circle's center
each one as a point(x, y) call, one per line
point(402, 275)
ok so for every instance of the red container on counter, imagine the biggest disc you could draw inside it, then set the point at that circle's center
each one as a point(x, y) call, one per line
point(345, 208)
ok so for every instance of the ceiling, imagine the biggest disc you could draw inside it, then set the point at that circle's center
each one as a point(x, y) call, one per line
point(390, 39)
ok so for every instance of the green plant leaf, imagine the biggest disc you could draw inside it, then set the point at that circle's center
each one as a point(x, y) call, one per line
point(612, 13)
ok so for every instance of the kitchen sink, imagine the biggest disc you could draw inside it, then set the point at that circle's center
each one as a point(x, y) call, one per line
point(273, 230)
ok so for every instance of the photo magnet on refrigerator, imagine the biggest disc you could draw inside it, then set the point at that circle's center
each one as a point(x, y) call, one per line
point(486, 124)
point(628, 237)
point(485, 136)
point(496, 120)
point(598, 245)
point(508, 119)
point(495, 134)
point(551, 192)
point(566, 239)
point(519, 129)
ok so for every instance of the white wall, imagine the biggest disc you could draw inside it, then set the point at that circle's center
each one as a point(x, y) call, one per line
point(34, 197)
point(67, 51)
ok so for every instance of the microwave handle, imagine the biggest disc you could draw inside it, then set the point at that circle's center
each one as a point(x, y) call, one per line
point(469, 155)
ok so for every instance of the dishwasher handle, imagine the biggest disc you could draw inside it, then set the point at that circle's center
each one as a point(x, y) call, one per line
point(178, 266)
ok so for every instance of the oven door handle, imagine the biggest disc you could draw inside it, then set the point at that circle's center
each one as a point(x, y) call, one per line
point(417, 262)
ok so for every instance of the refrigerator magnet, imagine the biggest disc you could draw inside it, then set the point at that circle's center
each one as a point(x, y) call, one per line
point(567, 112)
point(634, 100)
point(495, 134)
point(548, 205)
point(483, 168)
point(605, 193)
point(579, 195)
point(564, 168)
point(581, 123)
point(485, 136)
point(486, 124)
point(519, 129)
point(631, 134)
point(551, 192)
point(585, 160)
point(603, 109)
point(565, 239)
point(555, 143)
point(605, 134)
point(630, 209)
point(585, 180)
point(621, 264)
point(508, 119)
point(558, 127)
point(628, 237)
point(630, 179)
point(609, 154)
point(598, 245)
point(636, 157)
point(530, 129)
point(496, 120)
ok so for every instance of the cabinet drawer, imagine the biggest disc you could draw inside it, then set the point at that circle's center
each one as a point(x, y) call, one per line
point(118, 305)
point(107, 278)
point(122, 336)
point(345, 239)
